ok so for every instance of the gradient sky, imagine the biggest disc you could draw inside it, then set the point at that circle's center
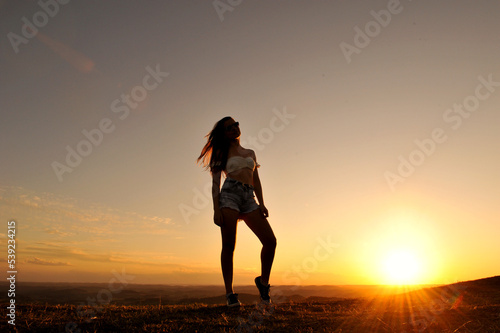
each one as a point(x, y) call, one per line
point(332, 132)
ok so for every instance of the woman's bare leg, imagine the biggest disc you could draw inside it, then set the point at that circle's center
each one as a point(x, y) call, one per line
point(228, 232)
point(261, 228)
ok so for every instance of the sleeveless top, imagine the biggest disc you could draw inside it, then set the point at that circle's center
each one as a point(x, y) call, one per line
point(237, 162)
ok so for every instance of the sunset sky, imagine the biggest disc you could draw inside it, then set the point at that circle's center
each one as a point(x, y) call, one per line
point(375, 124)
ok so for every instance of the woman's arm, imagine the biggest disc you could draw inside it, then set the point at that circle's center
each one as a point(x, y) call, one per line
point(215, 197)
point(258, 192)
point(216, 188)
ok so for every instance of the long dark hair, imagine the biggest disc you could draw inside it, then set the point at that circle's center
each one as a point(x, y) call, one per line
point(214, 154)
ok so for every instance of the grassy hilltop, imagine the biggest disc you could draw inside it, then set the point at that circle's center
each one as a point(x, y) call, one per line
point(472, 306)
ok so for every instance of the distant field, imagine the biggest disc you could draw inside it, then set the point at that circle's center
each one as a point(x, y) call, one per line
point(137, 294)
point(472, 306)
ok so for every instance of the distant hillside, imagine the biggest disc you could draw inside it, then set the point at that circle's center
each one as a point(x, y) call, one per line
point(471, 306)
point(475, 292)
point(136, 294)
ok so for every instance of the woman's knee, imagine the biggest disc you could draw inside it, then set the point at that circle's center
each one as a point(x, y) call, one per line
point(228, 247)
point(270, 242)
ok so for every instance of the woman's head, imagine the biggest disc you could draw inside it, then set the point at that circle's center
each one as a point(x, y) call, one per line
point(214, 153)
point(232, 129)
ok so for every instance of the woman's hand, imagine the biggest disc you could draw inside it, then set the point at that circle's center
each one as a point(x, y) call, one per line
point(218, 218)
point(263, 211)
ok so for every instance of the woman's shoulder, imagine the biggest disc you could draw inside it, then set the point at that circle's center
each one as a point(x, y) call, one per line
point(250, 152)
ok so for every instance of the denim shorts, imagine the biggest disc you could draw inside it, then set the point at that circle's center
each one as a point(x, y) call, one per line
point(237, 196)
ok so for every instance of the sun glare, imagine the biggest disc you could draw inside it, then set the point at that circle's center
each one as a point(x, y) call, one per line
point(401, 267)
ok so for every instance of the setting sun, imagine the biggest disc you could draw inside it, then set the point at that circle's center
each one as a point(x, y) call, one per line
point(401, 267)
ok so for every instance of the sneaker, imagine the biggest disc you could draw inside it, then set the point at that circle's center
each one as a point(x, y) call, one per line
point(263, 290)
point(232, 300)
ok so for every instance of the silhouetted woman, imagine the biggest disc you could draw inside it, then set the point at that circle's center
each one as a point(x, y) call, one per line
point(236, 200)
